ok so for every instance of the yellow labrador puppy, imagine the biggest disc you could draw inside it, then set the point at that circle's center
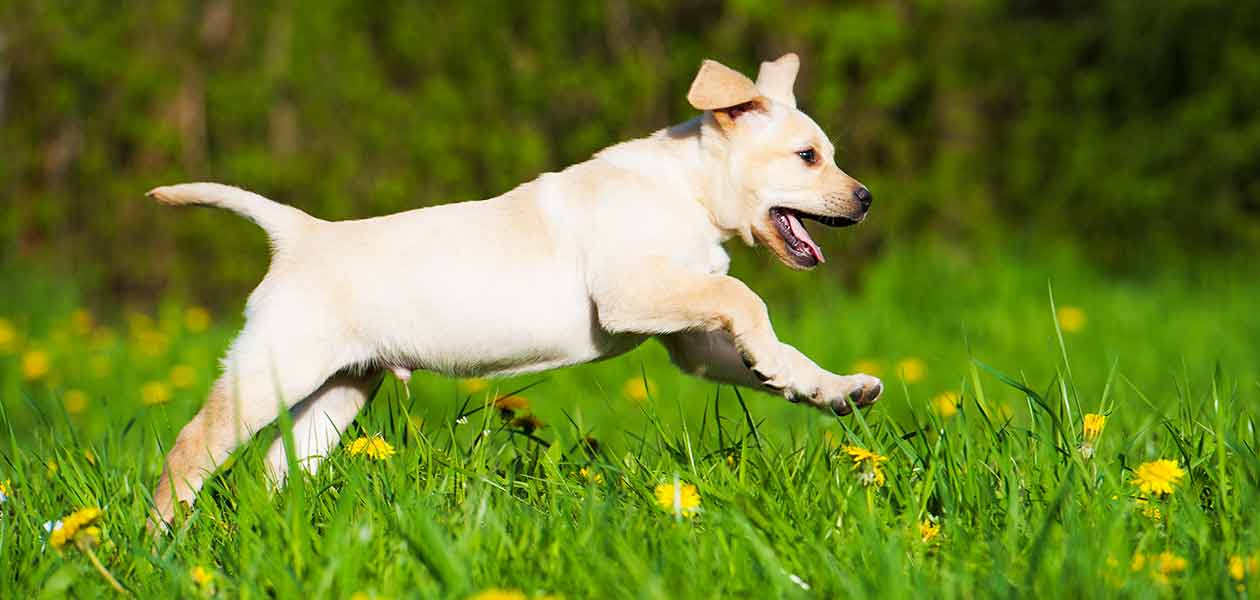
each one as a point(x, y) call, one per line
point(572, 267)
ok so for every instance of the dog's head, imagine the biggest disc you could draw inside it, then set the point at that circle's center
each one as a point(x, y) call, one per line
point(777, 166)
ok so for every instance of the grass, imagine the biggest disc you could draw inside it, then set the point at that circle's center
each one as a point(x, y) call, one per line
point(469, 501)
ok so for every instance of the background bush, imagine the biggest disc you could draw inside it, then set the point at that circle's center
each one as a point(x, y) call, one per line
point(1129, 129)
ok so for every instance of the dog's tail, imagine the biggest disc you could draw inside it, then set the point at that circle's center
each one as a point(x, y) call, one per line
point(280, 221)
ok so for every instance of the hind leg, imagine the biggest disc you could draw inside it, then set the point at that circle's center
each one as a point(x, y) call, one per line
point(266, 369)
point(319, 421)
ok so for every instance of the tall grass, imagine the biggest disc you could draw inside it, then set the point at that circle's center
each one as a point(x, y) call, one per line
point(986, 489)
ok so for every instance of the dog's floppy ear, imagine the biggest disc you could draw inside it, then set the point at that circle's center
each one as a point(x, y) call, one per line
point(775, 79)
point(726, 92)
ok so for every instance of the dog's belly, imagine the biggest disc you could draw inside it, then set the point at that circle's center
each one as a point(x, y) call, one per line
point(477, 338)
point(479, 319)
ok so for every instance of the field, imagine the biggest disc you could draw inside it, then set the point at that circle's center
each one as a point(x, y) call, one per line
point(1057, 284)
point(984, 480)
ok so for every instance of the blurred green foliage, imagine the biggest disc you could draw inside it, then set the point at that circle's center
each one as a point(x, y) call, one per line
point(1124, 126)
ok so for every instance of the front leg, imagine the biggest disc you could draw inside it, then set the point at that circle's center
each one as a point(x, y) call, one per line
point(713, 356)
point(656, 296)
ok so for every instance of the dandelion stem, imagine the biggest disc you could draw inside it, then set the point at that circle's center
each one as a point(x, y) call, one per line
point(100, 568)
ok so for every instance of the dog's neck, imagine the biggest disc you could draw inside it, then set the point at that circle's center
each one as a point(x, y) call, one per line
point(718, 191)
point(695, 155)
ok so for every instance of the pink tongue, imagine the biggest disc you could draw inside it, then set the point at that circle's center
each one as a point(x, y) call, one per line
point(801, 234)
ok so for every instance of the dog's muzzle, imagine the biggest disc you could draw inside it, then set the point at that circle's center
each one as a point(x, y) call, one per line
point(800, 246)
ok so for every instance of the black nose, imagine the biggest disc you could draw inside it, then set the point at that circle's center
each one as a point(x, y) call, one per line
point(863, 196)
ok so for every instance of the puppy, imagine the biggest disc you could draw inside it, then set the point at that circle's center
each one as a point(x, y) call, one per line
point(571, 267)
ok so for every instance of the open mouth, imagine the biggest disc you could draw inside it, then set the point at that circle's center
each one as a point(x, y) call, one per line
point(804, 251)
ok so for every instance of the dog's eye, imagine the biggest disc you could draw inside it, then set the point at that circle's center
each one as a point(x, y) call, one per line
point(808, 155)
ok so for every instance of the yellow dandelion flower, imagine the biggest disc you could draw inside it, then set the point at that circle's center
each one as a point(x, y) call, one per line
point(508, 405)
point(591, 476)
point(867, 464)
point(473, 385)
point(1237, 569)
point(928, 531)
point(374, 447)
point(1138, 563)
point(679, 498)
point(78, 528)
point(1166, 565)
point(35, 365)
point(196, 319)
point(499, 594)
point(203, 577)
point(869, 367)
point(1094, 424)
point(1071, 318)
point(154, 393)
point(528, 423)
point(8, 337)
point(911, 369)
point(1091, 430)
point(637, 390)
point(75, 401)
point(859, 454)
point(90, 457)
point(1161, 566)
point(1149, 510)
point(183, 377)
point(82, 322)
point(1158, 476)
point(6, 490)
point(945, 404)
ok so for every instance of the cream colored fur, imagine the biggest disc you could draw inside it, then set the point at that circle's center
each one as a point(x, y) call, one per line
point(572, 267)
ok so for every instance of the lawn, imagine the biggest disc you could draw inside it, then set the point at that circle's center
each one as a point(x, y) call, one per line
point(975, 476)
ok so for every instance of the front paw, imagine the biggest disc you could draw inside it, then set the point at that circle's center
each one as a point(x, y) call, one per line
point(840, 393)
point(768, 364)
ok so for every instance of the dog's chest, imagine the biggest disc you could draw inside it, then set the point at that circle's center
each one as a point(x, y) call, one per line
point(719, 262)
